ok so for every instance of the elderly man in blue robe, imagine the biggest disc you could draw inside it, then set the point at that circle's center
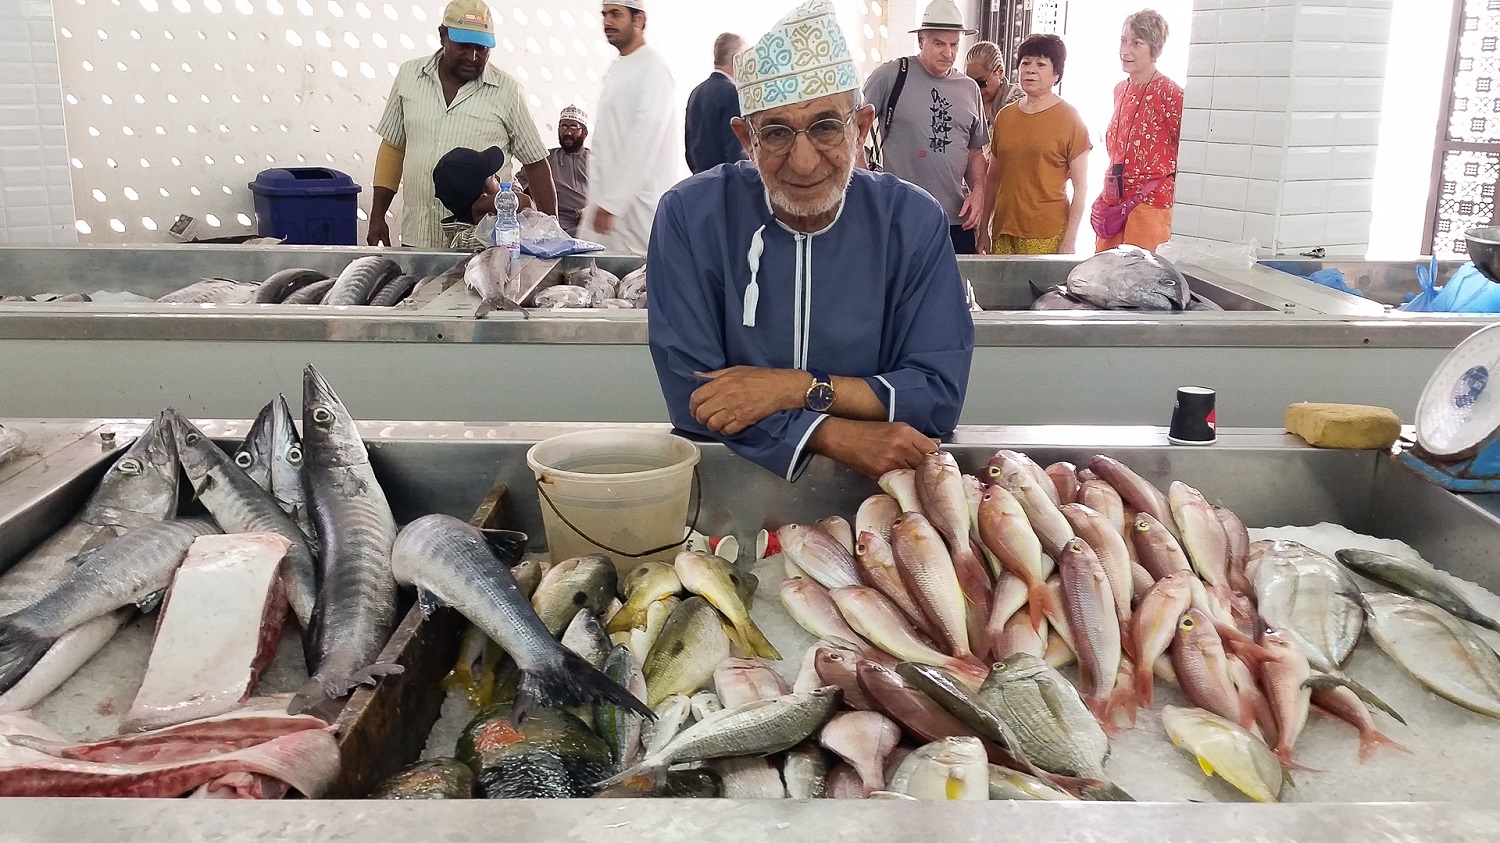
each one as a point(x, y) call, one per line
point(799, 305)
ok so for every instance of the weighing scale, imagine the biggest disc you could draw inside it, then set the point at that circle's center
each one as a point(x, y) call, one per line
point(1458, 416)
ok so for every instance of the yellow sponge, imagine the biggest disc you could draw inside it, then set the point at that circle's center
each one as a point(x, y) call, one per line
point(1353, 427)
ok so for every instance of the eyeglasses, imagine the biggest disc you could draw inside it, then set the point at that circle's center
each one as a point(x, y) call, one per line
point(825, 134)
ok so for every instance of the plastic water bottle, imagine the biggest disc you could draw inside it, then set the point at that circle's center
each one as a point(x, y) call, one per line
point(507, 227)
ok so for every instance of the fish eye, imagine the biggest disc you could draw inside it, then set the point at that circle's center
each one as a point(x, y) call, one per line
point(1140, 524)
point(1187, 623)
point(192, 438)
point(243, 459)
point(129, 465)
point(861, 548)
point(322, 415)
point(994, 471)
point(294, 455)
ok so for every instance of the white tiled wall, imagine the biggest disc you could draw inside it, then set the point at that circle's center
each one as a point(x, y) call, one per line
point(36, 197)
point(1281, 123)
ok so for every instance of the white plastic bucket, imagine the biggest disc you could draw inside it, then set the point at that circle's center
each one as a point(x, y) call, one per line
point(623, 491)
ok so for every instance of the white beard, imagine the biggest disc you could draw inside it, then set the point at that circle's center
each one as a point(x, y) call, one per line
point(812, 208)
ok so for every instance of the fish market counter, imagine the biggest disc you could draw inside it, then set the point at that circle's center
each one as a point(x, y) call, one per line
point(1277, 341)
point(449, 467)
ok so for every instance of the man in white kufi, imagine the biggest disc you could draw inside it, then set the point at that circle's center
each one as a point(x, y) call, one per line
point(799, 305)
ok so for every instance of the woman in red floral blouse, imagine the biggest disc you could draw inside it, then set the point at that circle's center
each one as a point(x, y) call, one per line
point(1142, 136)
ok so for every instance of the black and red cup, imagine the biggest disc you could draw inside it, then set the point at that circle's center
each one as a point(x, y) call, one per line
point(1193, 421)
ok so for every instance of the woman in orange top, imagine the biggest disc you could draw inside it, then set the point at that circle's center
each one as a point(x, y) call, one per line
point(1142, 136)
point(1037, 145)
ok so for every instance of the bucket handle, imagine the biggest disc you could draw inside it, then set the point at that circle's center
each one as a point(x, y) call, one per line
point(688, 531)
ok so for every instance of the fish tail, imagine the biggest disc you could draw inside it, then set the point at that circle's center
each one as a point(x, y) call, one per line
point(1123, 699)
point(1359, 691)
point(639, 776)
point(756, 643)
point(1371, 740)
point(320, 697)
point(20, 650)
point(571, 682)
point(1040, 601)
point(1145, 685)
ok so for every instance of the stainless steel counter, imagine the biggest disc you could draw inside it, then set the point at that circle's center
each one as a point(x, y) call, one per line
point(447, 466)
point(1293, 341)
point(1385, 282)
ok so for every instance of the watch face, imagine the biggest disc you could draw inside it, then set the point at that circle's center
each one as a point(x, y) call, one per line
point(820, 398)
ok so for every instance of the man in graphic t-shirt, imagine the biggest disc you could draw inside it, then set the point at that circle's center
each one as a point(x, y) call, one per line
point(937, 136)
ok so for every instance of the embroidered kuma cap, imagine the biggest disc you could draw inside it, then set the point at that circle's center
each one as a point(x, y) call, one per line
point(469, 22)
point(575, 114)
point(804, 57)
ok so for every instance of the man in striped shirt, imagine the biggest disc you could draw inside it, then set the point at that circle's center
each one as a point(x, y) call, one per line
point(451, 99)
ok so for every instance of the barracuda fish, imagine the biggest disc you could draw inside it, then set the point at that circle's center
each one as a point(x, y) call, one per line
point(757, 729)
point(311, 294)
point(692, 643)
point(253, 456)
point(1224, 748)
point(392, 291)
point(451, 563)
point(279, 285)
point(1438, 650)
point(140, 488)
point(132, 569)
point(288, 482)
point(1416, 580)
point(1129, 278)
point(356, 608)
point(213, 291)
point(360, 279)
point(240, 506)
point(717, 582)
point(583, 582)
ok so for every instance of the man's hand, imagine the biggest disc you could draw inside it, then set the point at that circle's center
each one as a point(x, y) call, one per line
point(380, 232)
point(604, 221)
point(972, 210)
point(871, 448)
point(741, 396)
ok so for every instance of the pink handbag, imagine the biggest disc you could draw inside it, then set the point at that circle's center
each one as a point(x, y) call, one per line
point(1109, 218)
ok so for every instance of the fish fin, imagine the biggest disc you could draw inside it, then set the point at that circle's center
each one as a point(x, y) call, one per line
point(1243, 645)
point(1104, 791)
point(1145, 684)
point(370, 675)
point(428, 603)
point(639, 776)
point(20, 650)
point(1323, 680)
point(151, 602)
point(1371, 740)
point(1208, 769)
point(318, 699)
point(572, 681)
point(757, 643)
point(1039, 600)
point(1036, 292)
point(101, 537)
point(507, 545)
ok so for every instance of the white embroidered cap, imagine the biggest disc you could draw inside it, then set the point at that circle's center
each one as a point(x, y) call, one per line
point(804, 57)
point(575, 114)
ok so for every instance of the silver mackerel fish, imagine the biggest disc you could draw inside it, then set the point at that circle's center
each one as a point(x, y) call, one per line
point(356, 608)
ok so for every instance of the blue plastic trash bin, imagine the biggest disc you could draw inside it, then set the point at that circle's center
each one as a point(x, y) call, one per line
point(307, 206)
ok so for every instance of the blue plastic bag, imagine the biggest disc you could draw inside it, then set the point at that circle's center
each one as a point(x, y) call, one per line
point(1332, 277)
point(1468, 291)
